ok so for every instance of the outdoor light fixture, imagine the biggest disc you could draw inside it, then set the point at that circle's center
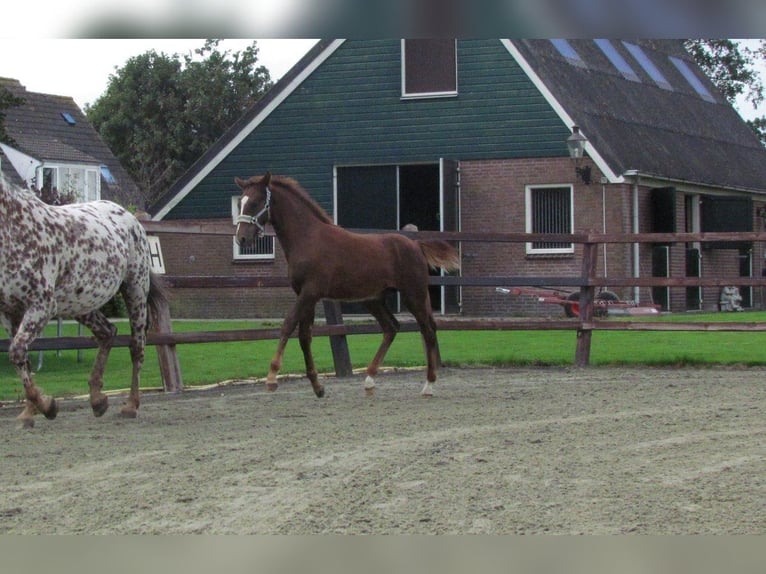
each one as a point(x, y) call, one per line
point(576, 144)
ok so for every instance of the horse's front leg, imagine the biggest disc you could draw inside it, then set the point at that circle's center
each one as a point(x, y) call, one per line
point(104, 331)
point(304, 336)
point(288, 326)
point(30, 327)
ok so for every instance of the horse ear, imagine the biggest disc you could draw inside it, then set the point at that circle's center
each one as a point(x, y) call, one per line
point(240, 182)
point(267, 178)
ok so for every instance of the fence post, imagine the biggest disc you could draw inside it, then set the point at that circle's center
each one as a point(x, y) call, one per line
point(587, 294)
point(338, 343)
point(170, 369)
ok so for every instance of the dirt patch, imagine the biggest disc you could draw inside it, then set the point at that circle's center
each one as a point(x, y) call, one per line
point(601, 450)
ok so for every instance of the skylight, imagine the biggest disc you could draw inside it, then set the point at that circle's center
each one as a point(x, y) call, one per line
point(68, 118)
point(648, 66)
point(693, 80)
point(566, 50)
point(107, 175)
point(617, 60)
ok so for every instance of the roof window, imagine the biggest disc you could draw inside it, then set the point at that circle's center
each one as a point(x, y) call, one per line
point(107, 175)
point(648, 66)
point(617, 60)
point(566, 50)
point(693, 80)
point(68, 118)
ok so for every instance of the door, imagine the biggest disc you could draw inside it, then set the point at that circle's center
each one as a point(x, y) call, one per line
point(746, 270)
point(450, 221)
point(366, 198)
point(693, 269)
point(661, 268)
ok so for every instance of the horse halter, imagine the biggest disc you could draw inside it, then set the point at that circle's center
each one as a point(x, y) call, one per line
point(253, 219)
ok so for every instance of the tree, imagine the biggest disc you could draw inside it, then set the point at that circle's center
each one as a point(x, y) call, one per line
point(161, 112)
point(7, 100)
point(730, 66)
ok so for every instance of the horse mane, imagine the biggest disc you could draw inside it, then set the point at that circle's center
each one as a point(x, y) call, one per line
point(8, 188)
point(294, 188)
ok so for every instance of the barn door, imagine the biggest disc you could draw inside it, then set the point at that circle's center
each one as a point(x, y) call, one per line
point(366, 198)
point(449, 184)
point(661, 268)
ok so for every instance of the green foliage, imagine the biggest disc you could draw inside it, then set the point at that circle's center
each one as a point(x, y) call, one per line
point(161, 112)
point(7, 100)
point(730, 66)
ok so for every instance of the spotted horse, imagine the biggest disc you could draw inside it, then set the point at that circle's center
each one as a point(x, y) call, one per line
point(68, 261)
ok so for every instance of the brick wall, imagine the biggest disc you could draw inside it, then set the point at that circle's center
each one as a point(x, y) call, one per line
point(492, 200)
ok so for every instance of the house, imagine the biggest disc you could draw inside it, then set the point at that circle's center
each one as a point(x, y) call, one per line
point(472, 135)
point(54, 145)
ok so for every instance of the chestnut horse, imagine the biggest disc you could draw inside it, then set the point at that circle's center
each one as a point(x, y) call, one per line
point(325, 261)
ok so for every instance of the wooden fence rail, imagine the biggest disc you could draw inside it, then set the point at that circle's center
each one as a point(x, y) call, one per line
point(584, 325)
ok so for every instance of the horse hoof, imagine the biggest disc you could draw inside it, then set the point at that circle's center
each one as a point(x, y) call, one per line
point(26, 423)
point(52, 411)
point(128, 413)
point(427, 391)
point(100, 406)
point(319, 392)
point(272, 386)
point(369, 386)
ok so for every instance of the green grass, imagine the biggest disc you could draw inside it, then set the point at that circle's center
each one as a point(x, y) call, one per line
point(207, 363)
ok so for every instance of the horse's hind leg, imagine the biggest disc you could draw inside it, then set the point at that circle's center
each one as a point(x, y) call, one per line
point(390, 327)
point(136, 303)
point(421, 309)
point(104, 332)
point(24, 332)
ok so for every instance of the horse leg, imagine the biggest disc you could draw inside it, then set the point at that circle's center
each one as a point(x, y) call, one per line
point(390, 327)
point(304, 336)
point(27, 331)
point(136, 304)
point(421, 309)
point(104, 332)
point(292, 318)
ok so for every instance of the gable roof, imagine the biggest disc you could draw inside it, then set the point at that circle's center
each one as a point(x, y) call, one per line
point(244, 126)
point(650, 122)
point(53, 128)
point(658, 125)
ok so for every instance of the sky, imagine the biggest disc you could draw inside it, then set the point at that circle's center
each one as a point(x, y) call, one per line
point(80, 68)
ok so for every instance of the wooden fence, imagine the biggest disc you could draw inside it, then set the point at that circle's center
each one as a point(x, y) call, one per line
point(587, 281)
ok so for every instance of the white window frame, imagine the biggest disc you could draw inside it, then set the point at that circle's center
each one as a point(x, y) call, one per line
point(90, 190)
point(418, 95)
point(530, 247)
point(265, 241)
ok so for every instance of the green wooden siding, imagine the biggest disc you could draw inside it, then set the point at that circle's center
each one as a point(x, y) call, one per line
point(350, 112)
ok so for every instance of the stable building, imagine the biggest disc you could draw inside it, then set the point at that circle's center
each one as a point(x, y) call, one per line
point(471, 135)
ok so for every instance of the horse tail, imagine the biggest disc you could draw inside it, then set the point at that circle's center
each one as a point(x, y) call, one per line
point(157, 299)
point(439, 253)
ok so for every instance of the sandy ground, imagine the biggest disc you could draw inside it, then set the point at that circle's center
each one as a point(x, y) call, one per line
point(600, 450)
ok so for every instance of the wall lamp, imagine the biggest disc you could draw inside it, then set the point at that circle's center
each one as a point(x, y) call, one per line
point(576, 145)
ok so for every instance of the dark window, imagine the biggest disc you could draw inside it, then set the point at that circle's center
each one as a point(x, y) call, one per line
point(726, 214)
point(430, 67)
